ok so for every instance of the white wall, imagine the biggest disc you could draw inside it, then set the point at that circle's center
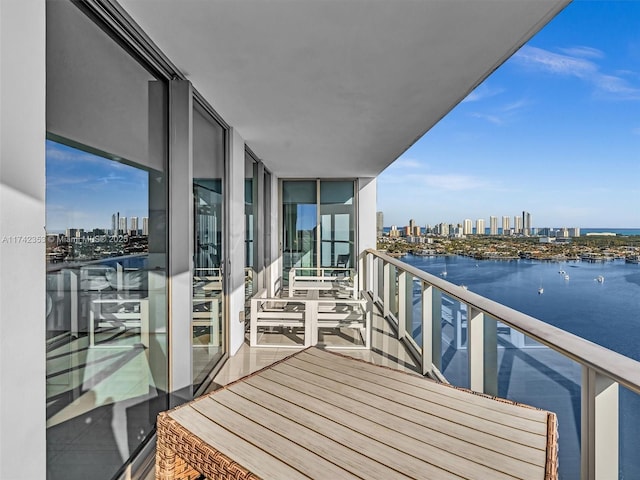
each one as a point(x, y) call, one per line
point(22, 248)
point(235, 264)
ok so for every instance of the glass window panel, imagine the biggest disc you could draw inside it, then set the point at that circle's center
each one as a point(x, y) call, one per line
point(299, 214)
point(336, 192)
point(106, 303)
point(299, 192)
point(208, 320)
point(338, 223)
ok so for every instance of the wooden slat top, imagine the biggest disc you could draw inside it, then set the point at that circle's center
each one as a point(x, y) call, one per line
point(318, 414)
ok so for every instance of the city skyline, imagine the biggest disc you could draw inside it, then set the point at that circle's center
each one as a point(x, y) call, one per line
point(78, 183)
point(554, 131)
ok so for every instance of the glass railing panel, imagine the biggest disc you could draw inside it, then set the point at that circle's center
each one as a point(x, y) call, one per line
point(414, 327)
point(380, 279)
point(533, 374)
point(454, 360)
point(393, 294)
point(629, 418)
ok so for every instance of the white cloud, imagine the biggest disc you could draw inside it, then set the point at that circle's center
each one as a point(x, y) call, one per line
point(409, 163)
point(481, 92)
point(555, 62)
point(574, 65)
point(617, 86)
point(495, 119)
point(583, 51)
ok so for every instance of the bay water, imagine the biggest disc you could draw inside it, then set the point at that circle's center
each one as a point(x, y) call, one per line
point(604, 312)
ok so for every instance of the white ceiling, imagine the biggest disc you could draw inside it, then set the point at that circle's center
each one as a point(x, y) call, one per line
point(328, 88)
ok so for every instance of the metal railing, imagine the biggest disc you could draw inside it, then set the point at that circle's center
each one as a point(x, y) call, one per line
point(391, 283)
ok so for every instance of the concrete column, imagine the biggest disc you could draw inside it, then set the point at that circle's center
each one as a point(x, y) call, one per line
point(366, 214)
point(275, 267)
point(234, 266)
point(180, 240)
point(22, 240)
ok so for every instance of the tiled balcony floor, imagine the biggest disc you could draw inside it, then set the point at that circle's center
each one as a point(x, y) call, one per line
point(386, 350)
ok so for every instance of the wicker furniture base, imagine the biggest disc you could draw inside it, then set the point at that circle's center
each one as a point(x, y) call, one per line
point(178, 448)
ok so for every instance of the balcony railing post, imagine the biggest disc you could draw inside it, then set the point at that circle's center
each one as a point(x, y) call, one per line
point(427, 327)
point(482, 352)
point(599, 421)
point(436, 328)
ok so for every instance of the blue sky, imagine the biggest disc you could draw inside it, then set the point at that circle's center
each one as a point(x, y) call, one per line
point(84, 190)
point(554, 131)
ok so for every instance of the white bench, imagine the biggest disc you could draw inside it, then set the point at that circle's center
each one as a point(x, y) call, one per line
point(310, 313)
point(341, 281)
point(343, 313)
point(278, 312)
point(121, 313)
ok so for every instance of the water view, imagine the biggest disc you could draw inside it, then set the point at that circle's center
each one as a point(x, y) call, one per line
point(597, 301)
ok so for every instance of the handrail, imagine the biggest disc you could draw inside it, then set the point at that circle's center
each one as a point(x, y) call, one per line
point(618, 367)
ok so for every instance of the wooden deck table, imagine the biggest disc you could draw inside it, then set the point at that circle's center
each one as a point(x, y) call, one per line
point(318, 414)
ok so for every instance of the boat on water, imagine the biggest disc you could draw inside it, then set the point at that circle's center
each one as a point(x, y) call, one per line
point(540, 291)
point(600, 279)
point(566, 276)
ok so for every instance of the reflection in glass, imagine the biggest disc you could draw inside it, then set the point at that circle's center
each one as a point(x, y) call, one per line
point(251, 226)
point(208, 262)
point(337, 224)
point(207, 278)
point(299, 216)
point(106, 310)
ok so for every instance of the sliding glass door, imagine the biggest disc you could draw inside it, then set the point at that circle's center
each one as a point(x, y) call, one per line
point(208, 319)
point(106, 211)
point(318, 219)
point(300, 222)
point(337, 224)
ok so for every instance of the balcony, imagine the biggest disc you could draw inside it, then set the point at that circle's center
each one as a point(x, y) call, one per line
point(425, 325)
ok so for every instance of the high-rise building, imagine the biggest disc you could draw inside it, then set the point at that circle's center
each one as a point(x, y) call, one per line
point(526, 223)
point(412, 223)
point(480, 228)
point(493, 225)
point(467, 228)
point(416, 231)
point(134, 226)
point(506, 225)
point(122, 225)
point(114, 225)
point(379, 223)
point(145, 226)
point(517, 225)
